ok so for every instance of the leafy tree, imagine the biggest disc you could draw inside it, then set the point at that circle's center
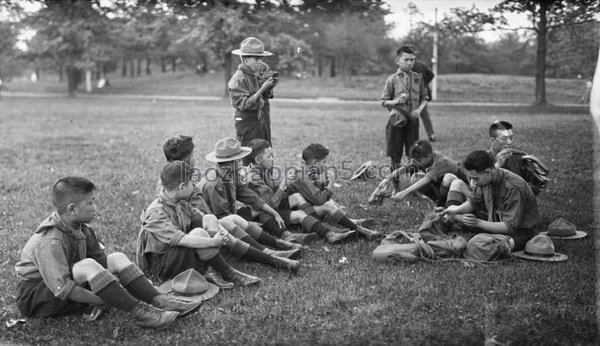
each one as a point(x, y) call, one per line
point(546, 15)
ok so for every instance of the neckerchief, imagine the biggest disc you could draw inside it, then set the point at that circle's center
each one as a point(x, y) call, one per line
point(253, 77)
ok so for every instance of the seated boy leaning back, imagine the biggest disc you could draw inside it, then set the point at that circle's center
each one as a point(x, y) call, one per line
point(506, 199)
point(440, 172)
point(262, 181)
point(313, 184)
point(171, 238)
point(63, 268)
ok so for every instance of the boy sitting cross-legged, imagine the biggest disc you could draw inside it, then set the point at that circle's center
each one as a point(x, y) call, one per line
point(63, 268)
point(262, 180)
point(313, 184)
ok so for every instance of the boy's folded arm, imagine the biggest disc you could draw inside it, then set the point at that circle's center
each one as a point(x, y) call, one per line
point(312, 193)
point(241, 98)
point(52, 263)
point(195, 242)
point(159, 224)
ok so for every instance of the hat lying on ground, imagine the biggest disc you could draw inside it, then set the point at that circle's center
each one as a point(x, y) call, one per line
point(364, 171)
point(540, 248)
point(228, 149)
point(251, 46)
point(398, 117)
point(563, 229)
point(190, 284)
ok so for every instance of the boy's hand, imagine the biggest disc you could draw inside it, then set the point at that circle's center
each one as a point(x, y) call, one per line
point(269, 83)
point(470, 220)
point(401, 99)
point(415, 114)
point(503, 155)
point(97, 311)
point(280, 221)
point(450, 212)
point(400, 196)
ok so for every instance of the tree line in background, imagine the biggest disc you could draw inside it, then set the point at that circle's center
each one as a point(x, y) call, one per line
point(324, 38)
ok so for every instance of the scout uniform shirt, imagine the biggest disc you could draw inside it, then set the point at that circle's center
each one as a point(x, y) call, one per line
point(442, 164)
point(315, 191)
point(509, 199)
point(221, 196)
point(164, 223)
point(243, 84)
point(52, 251)
point(409, 83)
point(265, 186)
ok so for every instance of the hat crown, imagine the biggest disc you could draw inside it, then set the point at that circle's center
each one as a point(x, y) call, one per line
point(540, 245)
point(562, 227)
point(227, 147)
point(252, 46)
point(189, 282)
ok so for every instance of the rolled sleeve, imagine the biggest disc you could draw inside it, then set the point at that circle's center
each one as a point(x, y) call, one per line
point(512, 210)
point(51, 260)
point(160, 226)
point(388, 90)
point(239, 94)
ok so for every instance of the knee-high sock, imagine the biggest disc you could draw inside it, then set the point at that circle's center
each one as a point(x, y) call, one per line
point(219, 263)
point(455, 198)
point(253, 243)
point(312, 224)
point(134, 281)
point(271, 226)
point(308, 209)
point(107, 287)
point(340, 218)
point(237, 247)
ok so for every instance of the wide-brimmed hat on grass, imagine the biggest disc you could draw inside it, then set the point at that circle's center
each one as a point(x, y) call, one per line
point(540, 248)
point(190, 284)
point(563, 229)
point(251, 46)
point(398, 118)
point(228, 149)
point(364, 171)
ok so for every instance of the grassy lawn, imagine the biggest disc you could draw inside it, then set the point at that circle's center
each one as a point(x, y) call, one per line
point(117, 144)
point(457, 87)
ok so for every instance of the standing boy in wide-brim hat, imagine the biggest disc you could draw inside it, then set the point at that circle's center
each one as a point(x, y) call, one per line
point(250, 89)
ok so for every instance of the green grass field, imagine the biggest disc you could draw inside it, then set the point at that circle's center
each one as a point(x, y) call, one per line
point(452, 87)
point(117, 144)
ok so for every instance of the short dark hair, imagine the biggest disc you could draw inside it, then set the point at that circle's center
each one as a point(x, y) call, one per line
point(420, 150)
point(258, 146)
point(70, 190)
point(175, 173)
point(479, 161)
point(499, 125)
point(178, 148)
point(314, 151)
point(406, 49)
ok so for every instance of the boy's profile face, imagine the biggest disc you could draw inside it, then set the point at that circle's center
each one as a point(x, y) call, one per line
point(186, 190)
point(405, 61)
point(265, 159)
point(84, 210)
point(317, 166)
point(253, 62)
point(503, 140)
point(480, 178)
point(230, 169)
point(424, 162)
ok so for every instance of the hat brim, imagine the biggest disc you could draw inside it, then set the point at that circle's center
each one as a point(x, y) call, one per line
point(239, 52)
point(557, 257)
point(577, 235)
point(361, 170)
point(212, 156)
point(212, 291)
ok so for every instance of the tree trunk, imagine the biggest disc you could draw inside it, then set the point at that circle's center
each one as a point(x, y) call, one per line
point(332, 69)
point(148, 70)
point(228, 64)
point(540, 60)
point(139, 68)
point(319, 68)
point(124, 68)
point(163, 65)
point(132, 68)
point(173, 64)
point(71, 80)
point(60, 73)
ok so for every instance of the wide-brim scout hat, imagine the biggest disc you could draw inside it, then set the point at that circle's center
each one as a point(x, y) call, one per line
point(190, 284)
point(251, 46)
point(563, 229)
point(228, 149)
point(364, 171)
point(540, 248)
point(398, 118)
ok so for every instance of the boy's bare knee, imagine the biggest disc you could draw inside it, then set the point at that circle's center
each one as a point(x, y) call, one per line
point(238, 221)
point(199, 232)
point(297, 216)
point(296, 199)
point(448, 179)
point(86, 269)
point(210, 223)
point(117, 262)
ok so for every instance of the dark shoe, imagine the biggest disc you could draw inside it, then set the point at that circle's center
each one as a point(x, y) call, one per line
point(367, 233)
point(147, 316)
point(215, 277)
point(336, 238)
point(288, 264)
point(302, 238)
point(239, 278)
point(286, 245)
point(172, 303)
point(295, 253)
point(364, 222)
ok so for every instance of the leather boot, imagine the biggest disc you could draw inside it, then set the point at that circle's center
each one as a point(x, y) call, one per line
point(173, 303)
point(239, 278)
point(335, 238)
point(301, 238)
point(215, 277)
point(367, 233)
point(295, 253)
point(286, 245)
point(147, 316)
point(288, 264)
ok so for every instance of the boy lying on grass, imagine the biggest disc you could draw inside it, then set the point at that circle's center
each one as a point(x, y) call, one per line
point(262, 181)
point(313, 184)
point(63, 268)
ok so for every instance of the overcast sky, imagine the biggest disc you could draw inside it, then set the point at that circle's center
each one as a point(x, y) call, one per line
point(399, 15)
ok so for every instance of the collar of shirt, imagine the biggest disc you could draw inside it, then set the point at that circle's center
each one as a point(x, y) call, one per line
point(56, 221)
point(497, 177)
point(167, 200)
